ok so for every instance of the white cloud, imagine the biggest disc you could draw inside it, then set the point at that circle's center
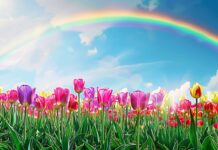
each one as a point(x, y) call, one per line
point(150, 5)
point(92, 52)
point(213, 83)
point(71, 9)
point(148, 85)
point(183, 90)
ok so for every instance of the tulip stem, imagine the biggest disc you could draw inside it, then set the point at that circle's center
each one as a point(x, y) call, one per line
point(138, 130)
point(126, 117)
point(196, 121)
point(62, 113)
point(24, 123)
point(79, 109)
point(103, 124)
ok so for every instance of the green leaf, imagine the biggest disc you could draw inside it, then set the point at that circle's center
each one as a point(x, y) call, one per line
point(148, 144)
point(119, 132)
point(126, 147)
point(88, 146)
point(13, 135)
point(176, 146)
point(209, 144)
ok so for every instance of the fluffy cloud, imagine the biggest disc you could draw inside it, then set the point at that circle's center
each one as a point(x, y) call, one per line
point(183, 90)
point(213, 83)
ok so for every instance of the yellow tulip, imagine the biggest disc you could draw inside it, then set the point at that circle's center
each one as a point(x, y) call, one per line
point(214, 97)
point(196, 90)
point(166, 102)
point(45, 93)
point(203, 98)
point(1, 89)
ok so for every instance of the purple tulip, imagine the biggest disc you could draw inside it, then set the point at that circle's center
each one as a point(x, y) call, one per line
point(25, 94)
point(104, 96)
point(139, 100)
point(89, 93)
point(122, 98)
point(78, 85)
point(157, 98)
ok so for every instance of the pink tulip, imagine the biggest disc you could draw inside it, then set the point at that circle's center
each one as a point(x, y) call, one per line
point(49, 103)
point(139, 100)
point(185, 104)
point(104, 96)
point(39, 103)
point(61, 96)
point(78, 85)
point(89, 93)
point(12, 96)
point(123, 98)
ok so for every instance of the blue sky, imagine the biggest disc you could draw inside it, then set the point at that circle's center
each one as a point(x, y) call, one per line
point(108, 56)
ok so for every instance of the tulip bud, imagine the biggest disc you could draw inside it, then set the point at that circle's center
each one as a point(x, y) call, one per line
point(196, 90)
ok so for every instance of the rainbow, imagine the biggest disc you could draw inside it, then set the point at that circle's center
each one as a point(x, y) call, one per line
point(127, 17)
point(121, 17)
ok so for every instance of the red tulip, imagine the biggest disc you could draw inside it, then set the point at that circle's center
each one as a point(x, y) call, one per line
point(188, 122)
point(208, 106)
point(78, 85)
point(215, 125)
point(200, 123)
point(73, 104)
point(139, 100)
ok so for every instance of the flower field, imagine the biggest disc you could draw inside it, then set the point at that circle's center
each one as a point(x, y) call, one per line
point(102, 119)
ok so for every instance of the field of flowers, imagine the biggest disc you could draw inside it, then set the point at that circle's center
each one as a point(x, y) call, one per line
point(98, 118)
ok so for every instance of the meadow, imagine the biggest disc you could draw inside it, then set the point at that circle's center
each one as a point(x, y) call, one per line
point(102, 119)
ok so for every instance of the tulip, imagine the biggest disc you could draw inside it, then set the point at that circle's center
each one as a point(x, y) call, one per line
point(215, 125)
point(78, 88)
point(214, 97)
point(1, 89)
point(73, 104)
point(200, 123)
point(12, 96)
point(61, 96)
point(25, 94)
point(39, 103)
point(104, 96)
point(157, 98)
point(79, 85)
point(49, 103)
point(122, 98)
point(185, 104)
point(139, 100)
point(208, 106)
point(188, 122)
point(89, 93)
point(196, 90)
point(45, 94)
